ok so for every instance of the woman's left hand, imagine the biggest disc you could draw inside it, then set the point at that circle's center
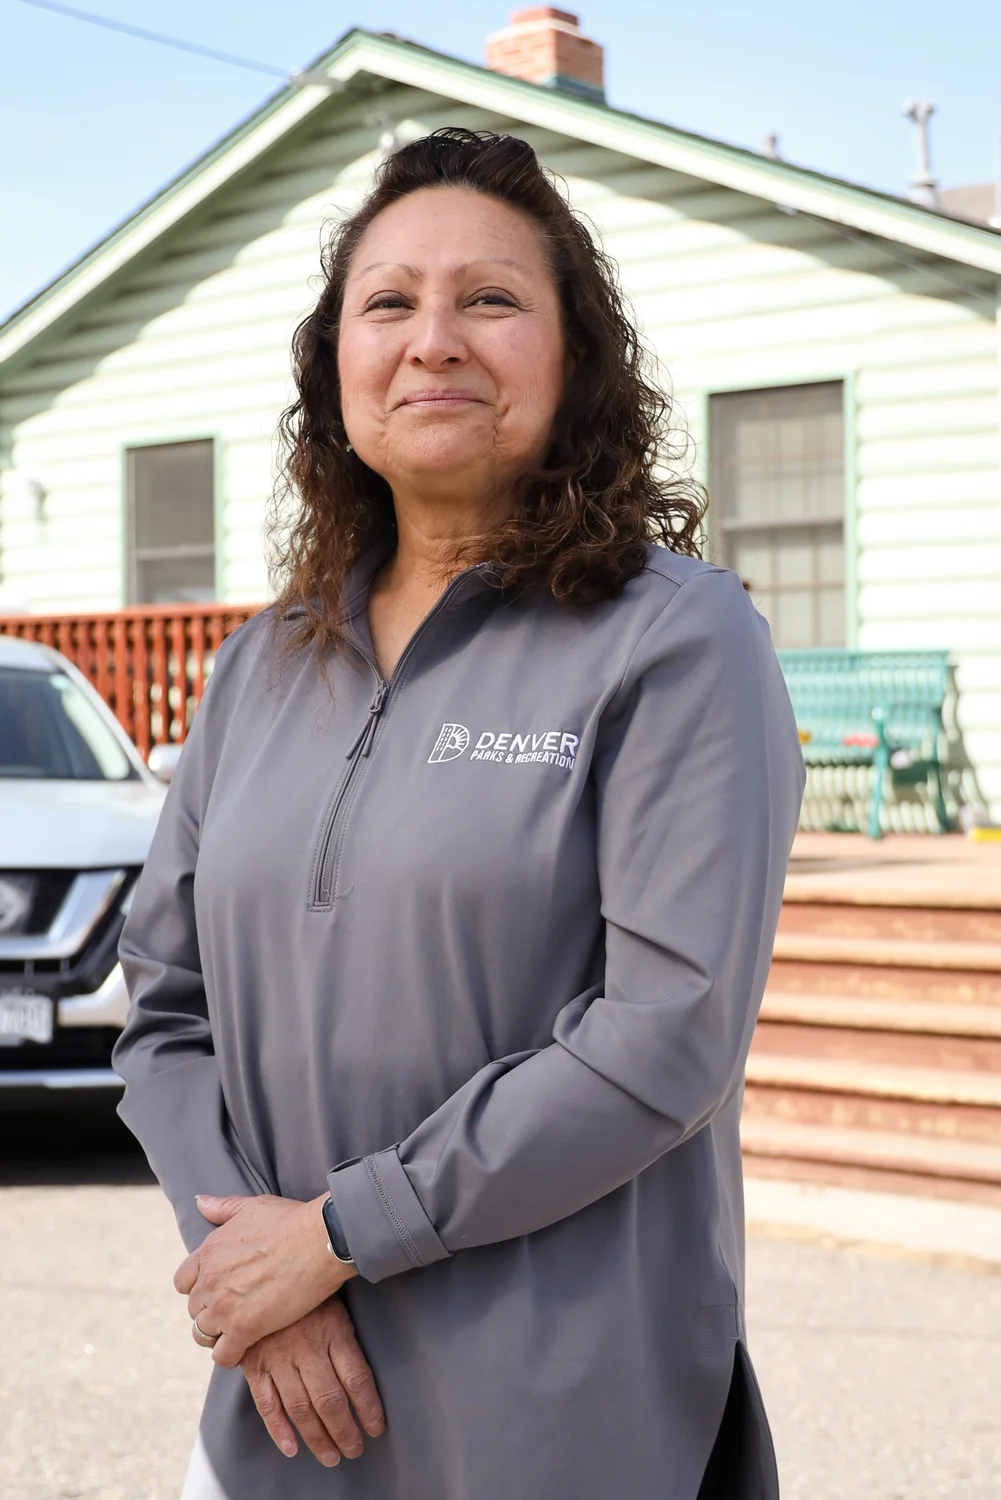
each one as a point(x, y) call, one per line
point(266, 1266)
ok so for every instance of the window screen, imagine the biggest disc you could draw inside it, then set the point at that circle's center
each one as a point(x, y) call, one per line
point(171, 524)
point(778, 505)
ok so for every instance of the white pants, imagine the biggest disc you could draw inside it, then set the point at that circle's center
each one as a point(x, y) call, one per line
point(200, 1482)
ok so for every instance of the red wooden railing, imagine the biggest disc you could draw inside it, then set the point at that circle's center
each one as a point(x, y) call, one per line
point(149, 663)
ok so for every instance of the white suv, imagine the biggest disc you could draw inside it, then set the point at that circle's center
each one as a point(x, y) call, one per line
point(78, 807)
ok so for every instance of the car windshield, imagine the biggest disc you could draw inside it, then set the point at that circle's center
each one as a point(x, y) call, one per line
point(51, 731)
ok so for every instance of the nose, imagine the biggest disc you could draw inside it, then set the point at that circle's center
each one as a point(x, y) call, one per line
point(436, 339)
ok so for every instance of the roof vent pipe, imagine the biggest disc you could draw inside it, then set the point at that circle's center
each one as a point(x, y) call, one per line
point(545, 45)
point(995, 219)
point(924, 188)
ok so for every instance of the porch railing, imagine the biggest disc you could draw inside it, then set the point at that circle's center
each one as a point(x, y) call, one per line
point(149, 663)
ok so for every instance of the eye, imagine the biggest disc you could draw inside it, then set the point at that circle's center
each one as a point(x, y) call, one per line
point(387, 301)
point(491, 297)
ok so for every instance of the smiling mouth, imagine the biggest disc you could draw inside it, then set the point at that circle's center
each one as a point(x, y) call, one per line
point(442, 398)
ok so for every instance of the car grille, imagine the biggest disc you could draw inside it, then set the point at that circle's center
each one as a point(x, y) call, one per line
point(71, 1047)
point(78, 973)
point(42, 893)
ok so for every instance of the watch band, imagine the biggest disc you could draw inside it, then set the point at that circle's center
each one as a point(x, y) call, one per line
point(336, 1243)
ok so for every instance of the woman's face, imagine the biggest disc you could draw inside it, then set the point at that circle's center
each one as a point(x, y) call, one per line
point(451, 351)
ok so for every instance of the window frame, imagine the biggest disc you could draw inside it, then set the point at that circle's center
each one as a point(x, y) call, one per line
point(848, 380)
point(130, 558)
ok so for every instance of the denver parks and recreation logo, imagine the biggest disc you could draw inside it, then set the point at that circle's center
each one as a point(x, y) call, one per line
point(454, 738)
point(551, 747)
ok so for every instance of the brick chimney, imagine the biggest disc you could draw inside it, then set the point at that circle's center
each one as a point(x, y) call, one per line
point(545, 45)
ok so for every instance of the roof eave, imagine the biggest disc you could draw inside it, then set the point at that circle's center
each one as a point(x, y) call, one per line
point(745, 171)
point(361, 52)
point(173, 203)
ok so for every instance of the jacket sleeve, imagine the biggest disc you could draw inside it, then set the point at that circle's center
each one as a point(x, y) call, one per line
point(173, 1100)
point(698, 779)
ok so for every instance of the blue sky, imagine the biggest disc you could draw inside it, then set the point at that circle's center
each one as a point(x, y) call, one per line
point(92, 123)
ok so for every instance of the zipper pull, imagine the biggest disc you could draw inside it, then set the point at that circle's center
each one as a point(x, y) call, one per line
point(374, 710)
point(363, 741)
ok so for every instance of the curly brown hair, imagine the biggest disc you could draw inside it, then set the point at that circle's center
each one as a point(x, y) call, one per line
point(584, 518)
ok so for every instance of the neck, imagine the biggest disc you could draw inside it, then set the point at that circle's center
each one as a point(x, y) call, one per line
point(439, 537)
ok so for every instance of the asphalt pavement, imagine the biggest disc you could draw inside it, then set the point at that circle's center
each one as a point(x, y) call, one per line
point(881, 1373)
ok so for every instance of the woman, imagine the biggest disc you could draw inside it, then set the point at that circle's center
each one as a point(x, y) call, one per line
point(447, 955)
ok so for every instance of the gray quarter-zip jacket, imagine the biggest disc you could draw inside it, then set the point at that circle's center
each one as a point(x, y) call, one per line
point(482, 948)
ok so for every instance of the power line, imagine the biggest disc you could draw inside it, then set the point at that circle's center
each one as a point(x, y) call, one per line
point(155, 36)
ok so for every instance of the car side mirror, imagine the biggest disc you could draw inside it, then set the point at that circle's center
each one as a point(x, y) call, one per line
point(162, 761)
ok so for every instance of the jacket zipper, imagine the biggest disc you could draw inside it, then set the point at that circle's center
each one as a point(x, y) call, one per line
point(322, 894)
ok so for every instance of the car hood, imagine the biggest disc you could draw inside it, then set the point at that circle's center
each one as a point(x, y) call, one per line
point(82, 825)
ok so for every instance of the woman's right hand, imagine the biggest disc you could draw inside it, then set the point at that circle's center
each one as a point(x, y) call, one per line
point(309, 1376)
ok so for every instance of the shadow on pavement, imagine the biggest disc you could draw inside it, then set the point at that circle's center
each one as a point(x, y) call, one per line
point(69, 1147)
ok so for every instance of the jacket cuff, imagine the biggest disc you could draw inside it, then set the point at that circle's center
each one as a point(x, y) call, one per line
point(384, 1223)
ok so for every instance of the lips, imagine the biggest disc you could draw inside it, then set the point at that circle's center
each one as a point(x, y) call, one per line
point(453, 397)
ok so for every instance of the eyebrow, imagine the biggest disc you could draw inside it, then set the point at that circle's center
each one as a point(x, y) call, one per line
point(416, 275)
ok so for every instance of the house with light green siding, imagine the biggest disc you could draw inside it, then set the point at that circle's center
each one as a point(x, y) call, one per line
point(834, 352)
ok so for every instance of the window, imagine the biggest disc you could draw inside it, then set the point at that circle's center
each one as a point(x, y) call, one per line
point(171, 524)
point(778, 505)
point(51, 731)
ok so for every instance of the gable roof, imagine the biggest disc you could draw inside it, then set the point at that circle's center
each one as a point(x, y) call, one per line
point(388, 57)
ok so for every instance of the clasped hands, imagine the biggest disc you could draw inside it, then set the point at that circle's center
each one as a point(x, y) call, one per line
point(265, 1282)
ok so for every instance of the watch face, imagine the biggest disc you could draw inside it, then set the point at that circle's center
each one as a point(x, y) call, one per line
point(335, 1235)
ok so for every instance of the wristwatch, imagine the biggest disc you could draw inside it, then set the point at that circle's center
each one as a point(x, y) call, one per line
point(336, 1243)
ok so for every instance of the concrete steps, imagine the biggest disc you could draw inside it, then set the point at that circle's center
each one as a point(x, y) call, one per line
point(877, 1057)
point(869, 1013)
point(921, 1085)
point(892, 952)
point(891, 920)
point(961, 1161)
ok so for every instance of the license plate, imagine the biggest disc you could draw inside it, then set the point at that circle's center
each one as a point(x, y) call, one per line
point(25, 1017)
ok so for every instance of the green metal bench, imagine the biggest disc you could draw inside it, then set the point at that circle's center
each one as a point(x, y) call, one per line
point(872, 708)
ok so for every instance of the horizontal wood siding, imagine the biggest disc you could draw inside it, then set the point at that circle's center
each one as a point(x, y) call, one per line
point(731, 293)
point(738, 295)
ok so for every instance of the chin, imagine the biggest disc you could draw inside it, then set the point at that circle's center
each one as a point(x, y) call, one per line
point(446, 453)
